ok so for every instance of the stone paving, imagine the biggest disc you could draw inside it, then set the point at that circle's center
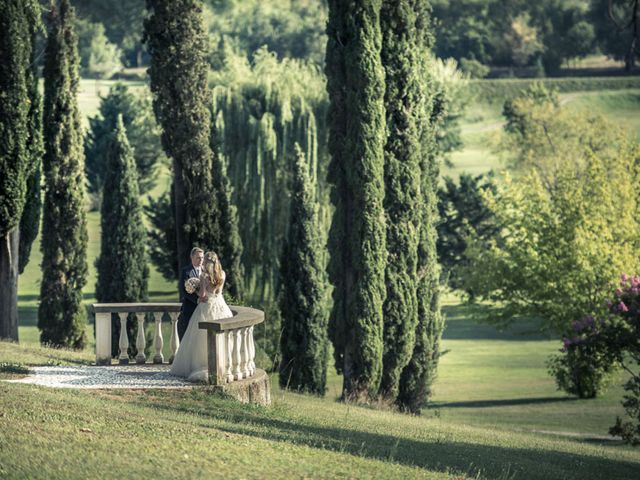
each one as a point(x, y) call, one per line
point(117, 376)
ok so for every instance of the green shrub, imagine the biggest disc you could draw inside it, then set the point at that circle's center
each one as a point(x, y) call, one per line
point(567, 224)
point(474, 68)
point(268, 336)
point(630, 430)
point(582, 371)
point(621, 342)
point(99, 58)
point(598, 346)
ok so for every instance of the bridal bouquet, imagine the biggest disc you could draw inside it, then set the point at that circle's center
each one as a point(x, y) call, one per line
point(192, 284)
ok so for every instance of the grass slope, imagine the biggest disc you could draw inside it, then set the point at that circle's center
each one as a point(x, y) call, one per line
point(496, 414)
point(59, 433)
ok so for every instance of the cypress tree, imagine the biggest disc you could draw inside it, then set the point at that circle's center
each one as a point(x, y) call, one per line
point(335, 70)
point(142, 133)
point(417, 377)
point(122, 264)
point(302, 301)
point(357, 237)
point(30, 221)
point(177, 42)
point(402, 187)
point(61, 317)
point(19, 20)
point(163, 248)
point(162, 237)
point(228, 243)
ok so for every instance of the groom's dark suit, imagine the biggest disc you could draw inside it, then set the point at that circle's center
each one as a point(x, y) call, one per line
point(189, 300)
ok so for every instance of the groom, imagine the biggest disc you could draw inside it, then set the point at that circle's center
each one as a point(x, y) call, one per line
point(189, 300)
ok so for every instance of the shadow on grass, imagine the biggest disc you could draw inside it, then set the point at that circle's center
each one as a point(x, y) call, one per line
point(28, 316)
point(440, 453)
point(469, 322)
point(48, 359)
point(60, 360)
point(502, 403)
point(28, 298)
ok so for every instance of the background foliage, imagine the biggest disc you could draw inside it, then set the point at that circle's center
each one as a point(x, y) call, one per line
point(567, 224)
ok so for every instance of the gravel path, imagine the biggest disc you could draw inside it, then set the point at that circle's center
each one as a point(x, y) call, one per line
point(121, 376)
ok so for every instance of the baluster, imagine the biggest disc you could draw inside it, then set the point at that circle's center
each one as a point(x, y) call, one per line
point(140, 339)
point(229, 356)
point(245, 353)
point(237, 345)
point(103, 338)
point(252, 352)
point(175, 341)
point(158, 341)
point(124, 340)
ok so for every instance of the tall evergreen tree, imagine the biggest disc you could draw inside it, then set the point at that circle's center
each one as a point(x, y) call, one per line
point(228, 243)
point(177, 42)
point(30, 221)
point(61, 318)
point(122, 265)
point(357, 238)
point(143, 135)
point(302, 291)
point(163, 248)
point(403, 100)
point(462, 208)
point(417, 377)
point(19, 21)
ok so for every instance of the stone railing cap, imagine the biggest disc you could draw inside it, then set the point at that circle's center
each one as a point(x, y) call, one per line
point(135, 307)
point(242, 317)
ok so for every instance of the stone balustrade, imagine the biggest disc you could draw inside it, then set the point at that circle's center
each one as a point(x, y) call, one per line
point(231, 347)
point(103, 313)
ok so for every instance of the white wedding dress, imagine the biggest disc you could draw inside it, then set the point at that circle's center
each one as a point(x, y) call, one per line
point(190, 361)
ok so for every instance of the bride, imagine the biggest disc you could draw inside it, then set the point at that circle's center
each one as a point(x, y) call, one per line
point(191, 358)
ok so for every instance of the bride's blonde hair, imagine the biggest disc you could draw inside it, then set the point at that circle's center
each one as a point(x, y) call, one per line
point(213, 268)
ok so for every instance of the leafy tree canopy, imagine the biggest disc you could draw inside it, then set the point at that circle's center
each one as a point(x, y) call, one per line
point(568, 223)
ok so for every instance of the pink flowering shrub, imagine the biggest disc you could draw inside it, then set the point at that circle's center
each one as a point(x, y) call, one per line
point(582, 369)
point(621, 339)
point(597, 346)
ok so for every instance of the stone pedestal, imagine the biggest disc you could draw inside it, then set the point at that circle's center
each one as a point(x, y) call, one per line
point(255, 389)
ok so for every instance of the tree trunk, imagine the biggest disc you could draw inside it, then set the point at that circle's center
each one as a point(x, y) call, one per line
point(636, 35)
point(630, 61)
point(9, 282)
point(182, 238)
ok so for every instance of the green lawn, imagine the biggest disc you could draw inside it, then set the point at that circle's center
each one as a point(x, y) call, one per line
point(619, 106)
point(482, 123)
point(499, 380)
